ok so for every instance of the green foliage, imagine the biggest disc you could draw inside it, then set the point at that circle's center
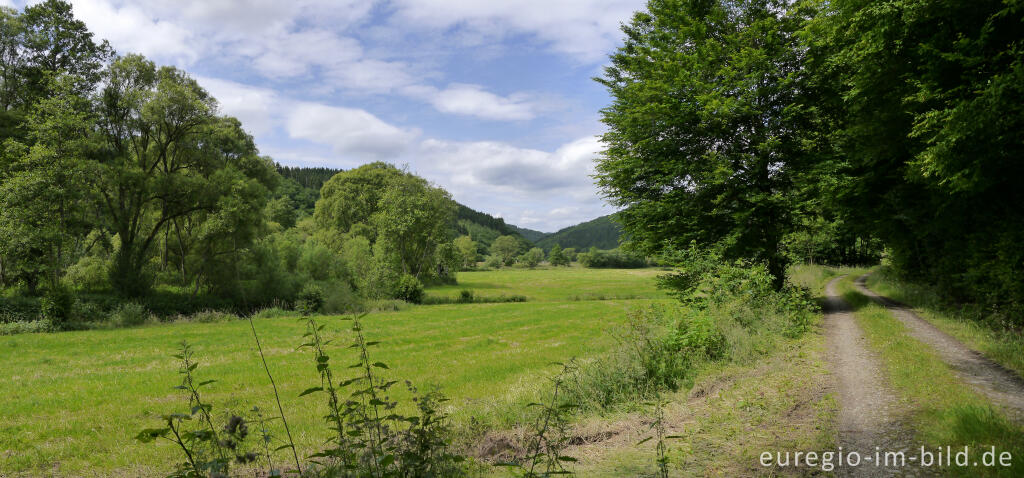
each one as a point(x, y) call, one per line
point(130, 314)
point(703, 144)
point(920, 130)
point(745, 291)
point(57, 306)
point(506, 248)
point(615, 258)
point(556, 257)
point(25, 327)
point(409, 289)
point(468, 250)
point(493, 262)
point(311, 299)
point(532, 257)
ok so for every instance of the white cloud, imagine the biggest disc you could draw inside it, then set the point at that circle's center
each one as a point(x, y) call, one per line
point(584, 29)
point(131, 30)
point(520, 170)
point(473, 100)
point(348, 131)
point(257, 108)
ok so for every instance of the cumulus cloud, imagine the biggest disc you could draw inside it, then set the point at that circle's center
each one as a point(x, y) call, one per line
point(349, 131)
point(584, 29)
point(257, 108)
point(521, 170)
point(132, 30)
point(473, 100)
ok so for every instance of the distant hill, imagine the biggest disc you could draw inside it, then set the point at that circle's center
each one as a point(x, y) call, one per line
point(602, 233)
point(529, 234)
point(485, 228)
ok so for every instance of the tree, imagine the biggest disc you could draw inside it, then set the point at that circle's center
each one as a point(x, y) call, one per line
point(556, 257)
point(55, 41)
point(350, 197)
point(570, 254)
point(506, 248)
point(468, 250)
point(703, 141)
point(45, 194)
point(168, 164)
point(410, 223)
point(532, 257)
point(927, 126)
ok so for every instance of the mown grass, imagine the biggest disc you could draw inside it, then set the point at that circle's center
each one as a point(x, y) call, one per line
point(72, 401)
point(556, 284)
point(1001, 345)
point(945, 411)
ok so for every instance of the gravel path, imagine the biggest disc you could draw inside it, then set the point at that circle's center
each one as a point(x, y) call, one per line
point(867, 408)
point(990, 379)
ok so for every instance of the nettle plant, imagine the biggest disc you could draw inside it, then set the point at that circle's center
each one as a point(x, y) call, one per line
point(369, 435)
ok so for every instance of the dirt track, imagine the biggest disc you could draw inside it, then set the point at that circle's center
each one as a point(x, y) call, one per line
point(867, 407)
point(997, 383)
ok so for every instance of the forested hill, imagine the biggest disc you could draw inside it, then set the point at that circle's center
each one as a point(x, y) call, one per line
point(530, 234)
point(602, 233)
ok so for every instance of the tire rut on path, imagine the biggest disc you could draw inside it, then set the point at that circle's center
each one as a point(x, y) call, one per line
point(1002, 386)
point(867, 407)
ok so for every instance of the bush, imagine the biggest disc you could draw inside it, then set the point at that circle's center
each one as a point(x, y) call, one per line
point(19, 309)
point(465, 296)
point(493, 262)
point(614, 258)
point(88, 274)
point(25, 327)
point(698, 336)
point(310, 299)
point(57, 306)
point(130, 314)
point(409, 289)
point(340, 298)
point(532, 257)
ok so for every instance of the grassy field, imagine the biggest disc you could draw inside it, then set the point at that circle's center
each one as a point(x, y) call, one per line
point(73, 401)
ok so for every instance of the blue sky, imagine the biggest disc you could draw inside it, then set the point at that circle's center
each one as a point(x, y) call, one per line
point(490, 99)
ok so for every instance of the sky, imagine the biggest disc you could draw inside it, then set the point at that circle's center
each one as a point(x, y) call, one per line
point(492, 100)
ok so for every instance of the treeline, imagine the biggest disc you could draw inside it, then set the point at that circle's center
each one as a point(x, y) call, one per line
point(121, 181)
point(776, 131)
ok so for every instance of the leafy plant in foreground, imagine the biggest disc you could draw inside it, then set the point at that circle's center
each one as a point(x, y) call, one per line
point(207, 451)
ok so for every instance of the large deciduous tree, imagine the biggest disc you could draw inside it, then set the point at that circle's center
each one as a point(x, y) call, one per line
point(703, 139)
point(169, 160)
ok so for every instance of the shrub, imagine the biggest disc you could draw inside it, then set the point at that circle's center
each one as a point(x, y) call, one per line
point(532, 257)
point(310, 299)
point(25, 327)
point(614, 258)
point(699, 337)
point(493, 262)
point(88, 274)
point(57, 306)
point(19, 309)
point(340, 298)
point(130, 314)
point(409, 289)
point(465, 296)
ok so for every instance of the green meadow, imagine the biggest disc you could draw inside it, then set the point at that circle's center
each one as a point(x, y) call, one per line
point(73, 401)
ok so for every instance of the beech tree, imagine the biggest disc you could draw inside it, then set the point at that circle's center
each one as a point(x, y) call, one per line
point(703, 142)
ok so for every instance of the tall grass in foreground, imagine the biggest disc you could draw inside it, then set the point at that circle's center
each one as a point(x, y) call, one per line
point(945, 411)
